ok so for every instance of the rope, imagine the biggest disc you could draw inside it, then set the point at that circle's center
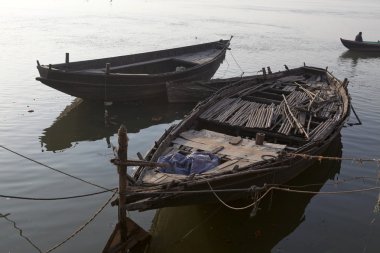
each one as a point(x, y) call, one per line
point(56, 170)
point(83, 226)
point(5, 216)
point(326, 193)
point(237, 190)
point(228, 66)
point(357, 118)
point(236, 208)
point(233, 57)
point(320, 158)
point(58, 198)
point(272, 188)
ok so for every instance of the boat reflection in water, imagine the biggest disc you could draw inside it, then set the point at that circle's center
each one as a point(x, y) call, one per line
point(86, 121)
point(357, 56)
point(215, 228)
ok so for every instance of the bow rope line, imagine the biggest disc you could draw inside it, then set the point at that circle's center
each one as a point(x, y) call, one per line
point(237, 208)
point(56, 170)
point(83, 226)
point(233, 57)
point(251, 189)
point(228, 66)
point(57, 198)
point(5, 216)
point(320, 158)
point(272, 188)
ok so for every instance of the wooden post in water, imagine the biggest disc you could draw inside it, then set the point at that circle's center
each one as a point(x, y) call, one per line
point(122, 170)
point(127, 234)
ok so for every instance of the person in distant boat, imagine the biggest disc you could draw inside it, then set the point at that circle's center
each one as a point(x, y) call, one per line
point(358, 37)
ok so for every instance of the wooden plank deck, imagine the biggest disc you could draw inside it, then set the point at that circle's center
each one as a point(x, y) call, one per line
point(239, 153)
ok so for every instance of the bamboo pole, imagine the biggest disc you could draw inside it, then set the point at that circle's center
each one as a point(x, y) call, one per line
point(299, 125)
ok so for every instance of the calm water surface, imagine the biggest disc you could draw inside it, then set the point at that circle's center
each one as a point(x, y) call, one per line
point(34, 122)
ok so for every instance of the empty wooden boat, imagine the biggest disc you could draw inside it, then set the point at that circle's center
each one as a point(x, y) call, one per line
point(249, 134)
point(371, 46)
point(134, 77)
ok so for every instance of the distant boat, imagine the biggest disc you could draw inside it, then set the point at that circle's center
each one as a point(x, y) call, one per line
point(134, 77)
point(219, 146)
point(372, 46)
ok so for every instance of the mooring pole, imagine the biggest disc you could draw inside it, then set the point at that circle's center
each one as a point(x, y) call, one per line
point(127, 234)
point(122, 170)
point(67, 60)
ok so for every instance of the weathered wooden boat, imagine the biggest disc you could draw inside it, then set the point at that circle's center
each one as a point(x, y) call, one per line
point(299, 112)
point(281, 208)
point(134, 77)
point(372, 46)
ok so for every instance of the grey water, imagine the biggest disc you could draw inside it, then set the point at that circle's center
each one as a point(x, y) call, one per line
point(35, 123)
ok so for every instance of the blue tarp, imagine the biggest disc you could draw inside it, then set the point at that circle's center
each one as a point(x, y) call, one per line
point(197, 163)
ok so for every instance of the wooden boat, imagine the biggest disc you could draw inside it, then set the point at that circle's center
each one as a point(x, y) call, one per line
point(134, 77)
point(281, 208)
point(300, 112)
point(372, 46)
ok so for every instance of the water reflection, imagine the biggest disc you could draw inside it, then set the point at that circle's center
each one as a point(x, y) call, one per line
point(86, 121)
point(357, 56)
point(213, 228)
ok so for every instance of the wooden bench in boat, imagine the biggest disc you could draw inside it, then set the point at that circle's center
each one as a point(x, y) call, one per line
point(240, 153)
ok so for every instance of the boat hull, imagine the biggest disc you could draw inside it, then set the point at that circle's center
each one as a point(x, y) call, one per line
point(124, 87)
point(247, 164)
point(361, 46)
point(238, 181)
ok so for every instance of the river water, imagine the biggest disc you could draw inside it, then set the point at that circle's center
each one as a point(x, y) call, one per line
point(35, 123)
